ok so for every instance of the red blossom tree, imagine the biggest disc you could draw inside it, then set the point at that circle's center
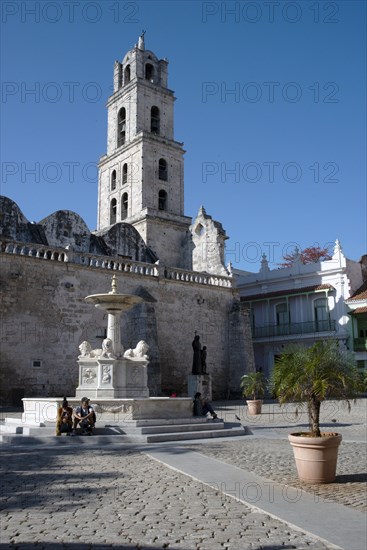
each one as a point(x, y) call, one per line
point(308, 255)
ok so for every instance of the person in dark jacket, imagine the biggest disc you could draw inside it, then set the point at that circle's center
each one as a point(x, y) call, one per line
point(202, 407)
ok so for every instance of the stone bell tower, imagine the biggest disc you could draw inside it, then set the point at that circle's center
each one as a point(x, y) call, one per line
point(141, 178)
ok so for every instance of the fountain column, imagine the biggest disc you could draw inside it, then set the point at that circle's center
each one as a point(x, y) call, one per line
point(113, 322)
point(114, 332)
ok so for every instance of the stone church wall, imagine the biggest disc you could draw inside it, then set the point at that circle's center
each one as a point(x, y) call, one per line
point(45, 318)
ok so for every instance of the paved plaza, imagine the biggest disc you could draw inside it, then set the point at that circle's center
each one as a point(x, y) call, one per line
point(239, 493)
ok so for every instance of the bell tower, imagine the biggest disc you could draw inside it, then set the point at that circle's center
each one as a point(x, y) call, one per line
point(141, 178)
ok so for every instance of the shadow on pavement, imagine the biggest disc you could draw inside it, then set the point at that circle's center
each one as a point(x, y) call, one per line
point(81, 546)
point(351, 478)
point(294, 427)
point(25, 486)
point(142, 546)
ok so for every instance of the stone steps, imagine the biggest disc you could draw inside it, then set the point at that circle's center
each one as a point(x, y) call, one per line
point(176, 428)
point(168, 421)
point(143, 431)
point(182, 436)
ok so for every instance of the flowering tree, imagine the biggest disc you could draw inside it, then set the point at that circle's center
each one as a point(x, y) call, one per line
point(308, 255)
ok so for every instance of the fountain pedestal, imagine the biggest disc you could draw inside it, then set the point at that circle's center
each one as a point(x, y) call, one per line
point(109, 378)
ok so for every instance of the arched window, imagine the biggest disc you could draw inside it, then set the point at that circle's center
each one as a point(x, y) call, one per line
point(162, 200)
point(113, 180)
point(321, 314)
point(121, 127)
point(113, 210)
point(162, 169)
point(124, 173)
point(124, 205)
point(149, 72)
point(200, 229)
point(154, 120)
point(127, 74)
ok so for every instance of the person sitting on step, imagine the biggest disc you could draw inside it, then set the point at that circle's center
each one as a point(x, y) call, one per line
point(64, 421)
point(202, 407)
point(85, 417)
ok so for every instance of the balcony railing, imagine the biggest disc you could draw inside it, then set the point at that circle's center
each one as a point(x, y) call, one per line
point(360, 344)
point(270, 331)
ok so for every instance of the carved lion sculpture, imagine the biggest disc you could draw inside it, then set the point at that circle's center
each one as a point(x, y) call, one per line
point(107, 349)
point(85, 349)
point(140, 352)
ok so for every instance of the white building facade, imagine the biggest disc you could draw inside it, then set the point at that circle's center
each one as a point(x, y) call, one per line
point(357, 309)
point(303, 303)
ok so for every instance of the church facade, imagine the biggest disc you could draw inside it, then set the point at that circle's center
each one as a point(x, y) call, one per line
point(175, 263)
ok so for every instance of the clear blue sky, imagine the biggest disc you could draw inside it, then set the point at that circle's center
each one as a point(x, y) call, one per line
point(280, 160)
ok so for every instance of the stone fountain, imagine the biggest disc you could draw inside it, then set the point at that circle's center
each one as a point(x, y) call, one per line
point(109, 372)
point(114, 380)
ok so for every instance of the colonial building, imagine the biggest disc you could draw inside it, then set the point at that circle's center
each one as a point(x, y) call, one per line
point(304, 303)
point(357, 309)
point(174, 262)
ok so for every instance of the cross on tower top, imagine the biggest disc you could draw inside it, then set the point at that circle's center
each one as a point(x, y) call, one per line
point(141, 44)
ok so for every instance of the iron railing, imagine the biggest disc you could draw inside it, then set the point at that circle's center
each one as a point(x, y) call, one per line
point(360, 344)
point(293, 328)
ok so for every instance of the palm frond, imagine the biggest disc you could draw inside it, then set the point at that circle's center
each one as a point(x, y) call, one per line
point(311, 375)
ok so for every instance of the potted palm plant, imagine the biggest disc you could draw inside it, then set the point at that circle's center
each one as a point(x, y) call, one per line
point(309, 376)
point(253, 387)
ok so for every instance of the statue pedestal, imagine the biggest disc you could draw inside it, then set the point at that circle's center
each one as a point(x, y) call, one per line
point(200, 383)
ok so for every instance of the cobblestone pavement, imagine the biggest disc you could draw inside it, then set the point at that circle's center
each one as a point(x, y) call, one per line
point(120, 498)
point(272, 456)
point(273, 459)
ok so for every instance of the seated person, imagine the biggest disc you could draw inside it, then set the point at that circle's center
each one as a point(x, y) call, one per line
point(85, 416)
point(202, 407)
point(64, 422)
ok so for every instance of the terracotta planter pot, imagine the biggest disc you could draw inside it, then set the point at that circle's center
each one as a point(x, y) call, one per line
point(316, 457)
point(254, 406)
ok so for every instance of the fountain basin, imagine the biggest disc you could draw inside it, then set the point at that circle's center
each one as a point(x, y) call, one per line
point(38, 410)
point(113, 302)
